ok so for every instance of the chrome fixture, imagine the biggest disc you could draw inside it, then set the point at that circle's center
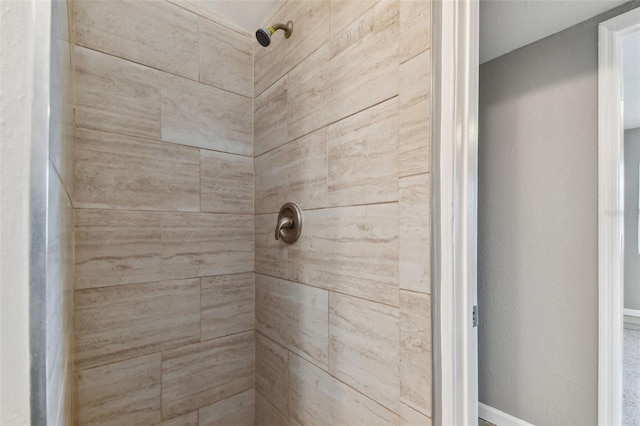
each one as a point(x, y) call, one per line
point(264, 34)
point(289, 224)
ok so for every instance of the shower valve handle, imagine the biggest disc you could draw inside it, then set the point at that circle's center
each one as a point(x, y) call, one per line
point(283, 222)
point(289, 224)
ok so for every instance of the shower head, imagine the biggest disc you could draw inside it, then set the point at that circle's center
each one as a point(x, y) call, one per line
point(264, 34)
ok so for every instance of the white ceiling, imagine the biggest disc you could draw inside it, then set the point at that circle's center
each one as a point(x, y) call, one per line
point(506, 25)
point(631, 79)
point(248, 14)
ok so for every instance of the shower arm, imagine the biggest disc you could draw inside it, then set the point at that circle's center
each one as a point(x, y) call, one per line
point(288, 29)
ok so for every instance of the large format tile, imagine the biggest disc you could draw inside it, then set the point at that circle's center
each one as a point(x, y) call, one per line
point(267, 414)
point(115, 95)
point(226, 305)
point(226, 182)
point(206, 11)
point(123, 393)
point(226, 58)
point(310, 31)
point(316, 398)
point(363, 157)
point(116, 323)
point(296, 171)
point(357, 69)
point(154, 33)
point(351, 250)
point(415, 27)
point(344, 12)
point(414, 99)
point(293, 315)
point(122, 172)
point(272, 372)
point(270, 117)
point(238, 410)
point(201, 374)
point(415, 350)
point(117, 247)
point(199, 115)
point(363, 347)
point(203, 244)
point(415, 233)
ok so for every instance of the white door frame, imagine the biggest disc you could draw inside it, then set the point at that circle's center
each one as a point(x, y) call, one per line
point(455, 32)
point(611, 214)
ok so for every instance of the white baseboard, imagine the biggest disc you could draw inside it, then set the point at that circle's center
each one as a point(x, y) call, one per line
point(498, 417)
point(632, 312)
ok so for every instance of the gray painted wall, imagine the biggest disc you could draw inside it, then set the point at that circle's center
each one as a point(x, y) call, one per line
point(631, 256)
point(537, 219)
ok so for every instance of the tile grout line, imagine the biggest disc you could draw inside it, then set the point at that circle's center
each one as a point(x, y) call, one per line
point(332, 291)
point(160, 352)
point(159, 141)
point(297, 138)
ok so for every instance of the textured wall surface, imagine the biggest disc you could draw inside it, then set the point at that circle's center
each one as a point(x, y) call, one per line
point(631, 188)
point(537, 223)
point(164, 287)
point(342, 129)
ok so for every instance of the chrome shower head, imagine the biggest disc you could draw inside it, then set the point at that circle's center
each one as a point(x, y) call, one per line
point(264, 34)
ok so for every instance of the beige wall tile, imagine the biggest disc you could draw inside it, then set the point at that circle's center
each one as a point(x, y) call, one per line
point(201, 374)
point(116, 247)
point(310, 31)
point(226, 182)
point(203, 244)
point(270, 117)
point(116, 323)
point(415, 350)
point(344, 12)
point(190, 419)
point(359, 68)
point(124, 393)
point(363, 347)
point(267, 414)
point(121, 172)
point(363, 157)
point(350, 250)
point(238, 410)
point(415, 27)
point(316, 398)
point(226, 305)
point(411, 417)
point(154, 33)
point(414, 98)
point(199, 115)
point(415, 233)
point(226, 58)
point(296, 171)
point(272, 256)
point(115, 95)
point(272, 372)
point(293, 315)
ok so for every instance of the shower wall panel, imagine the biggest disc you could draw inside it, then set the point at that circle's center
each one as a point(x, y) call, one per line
point(342, 128)
point(164, 216)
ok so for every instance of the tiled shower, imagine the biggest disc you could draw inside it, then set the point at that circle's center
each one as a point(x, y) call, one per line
point(189, 137)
